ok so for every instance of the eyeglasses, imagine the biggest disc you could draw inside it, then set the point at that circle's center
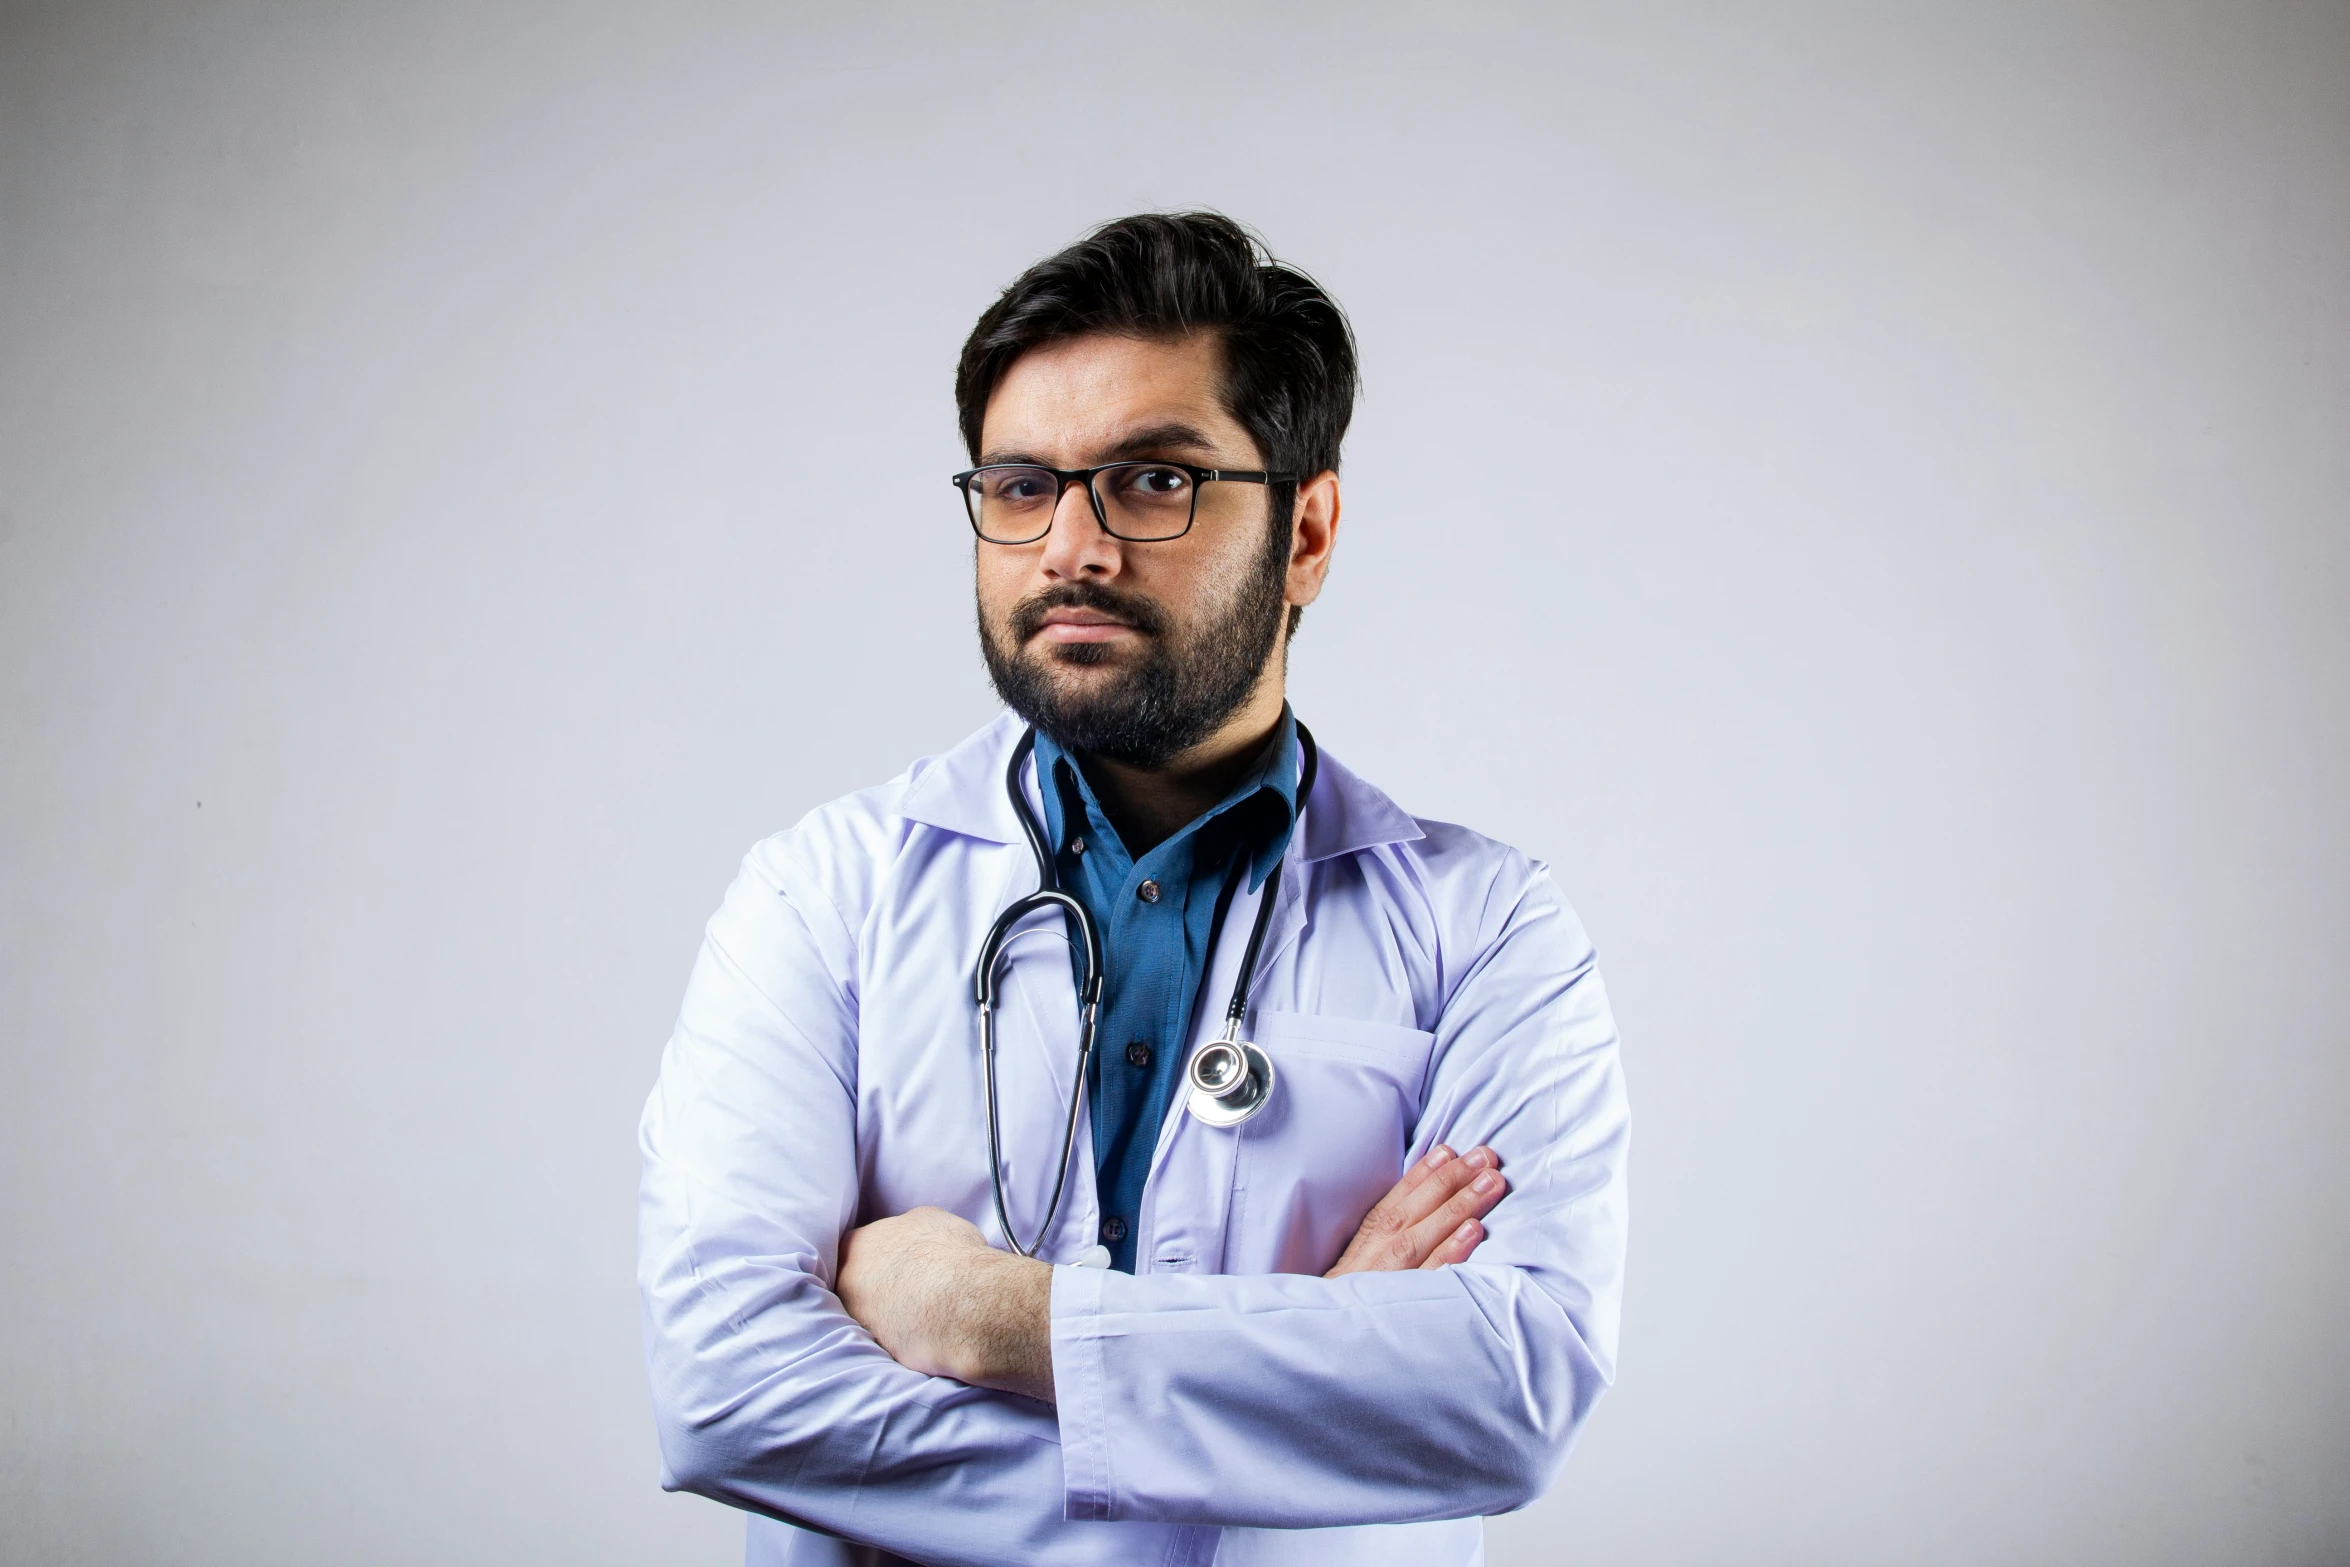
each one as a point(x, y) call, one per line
point(1140, 502)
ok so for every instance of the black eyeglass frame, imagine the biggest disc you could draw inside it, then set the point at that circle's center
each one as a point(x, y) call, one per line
point(1065, 477)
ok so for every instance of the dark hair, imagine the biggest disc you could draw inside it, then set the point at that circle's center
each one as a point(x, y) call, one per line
point(1289, 359)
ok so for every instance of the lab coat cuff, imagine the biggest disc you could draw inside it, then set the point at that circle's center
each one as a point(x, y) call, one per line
point(1081, 1393)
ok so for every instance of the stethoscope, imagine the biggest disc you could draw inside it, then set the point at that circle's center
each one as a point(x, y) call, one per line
point(1229, 1079)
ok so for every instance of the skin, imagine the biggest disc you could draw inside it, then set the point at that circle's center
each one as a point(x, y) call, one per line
point(926, 1284)
point(1100, 399)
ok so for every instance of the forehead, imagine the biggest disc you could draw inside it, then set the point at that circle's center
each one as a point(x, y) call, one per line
point(1072, 399)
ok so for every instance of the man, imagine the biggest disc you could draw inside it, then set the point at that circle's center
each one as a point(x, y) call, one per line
point(1318, 1334)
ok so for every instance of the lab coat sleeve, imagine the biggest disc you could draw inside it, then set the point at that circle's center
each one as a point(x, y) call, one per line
point(1290, 1401)
point(767, 1394)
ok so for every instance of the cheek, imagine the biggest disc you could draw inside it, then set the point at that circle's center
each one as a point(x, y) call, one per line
point(1000, 585)
point(1194, 580)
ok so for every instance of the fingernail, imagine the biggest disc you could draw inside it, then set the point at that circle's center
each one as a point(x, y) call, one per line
point(1485, 1183)
point(1437, 1155)
point(1467, 1231)
point(1478, 1158)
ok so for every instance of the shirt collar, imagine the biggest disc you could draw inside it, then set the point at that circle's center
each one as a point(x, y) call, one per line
point(962, 791)
point(1273, 776)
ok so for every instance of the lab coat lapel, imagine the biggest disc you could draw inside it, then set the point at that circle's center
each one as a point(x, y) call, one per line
point(1193, 1168)
point(1344, 815)
point(1049, 989)
point(962, 791)
point(1291, 915)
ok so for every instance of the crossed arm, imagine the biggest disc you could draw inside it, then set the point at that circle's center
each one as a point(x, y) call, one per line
point(943, 1302)
point(783, 1341)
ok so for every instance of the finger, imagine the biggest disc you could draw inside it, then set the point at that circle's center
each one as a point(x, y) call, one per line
point(1421, 1172)
point(1411, 1199)
point(1472, 1201)
point(1456, 1246)
point(1437, 1181)
point(1386, 1239)
point(1392, 1233)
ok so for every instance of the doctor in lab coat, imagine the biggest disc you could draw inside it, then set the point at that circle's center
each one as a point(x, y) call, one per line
point(1340, 1332)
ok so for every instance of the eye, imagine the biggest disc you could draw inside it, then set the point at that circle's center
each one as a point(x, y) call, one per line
point(1015, 486)
point(1153, 482)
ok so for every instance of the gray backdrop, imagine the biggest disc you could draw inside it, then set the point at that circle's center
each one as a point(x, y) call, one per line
point(1861, 490)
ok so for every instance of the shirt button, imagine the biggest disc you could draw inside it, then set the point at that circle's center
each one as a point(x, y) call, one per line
point(1077, 845)
point(1138, 1054)
point(1113, 1229)
point(1148, 892)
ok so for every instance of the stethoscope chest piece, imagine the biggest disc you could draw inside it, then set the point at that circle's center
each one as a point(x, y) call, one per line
point(1230, 1080)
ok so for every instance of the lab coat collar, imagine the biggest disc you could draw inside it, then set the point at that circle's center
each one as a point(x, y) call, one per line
point(963, 792)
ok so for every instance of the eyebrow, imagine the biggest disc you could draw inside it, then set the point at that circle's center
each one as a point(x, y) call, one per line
point(1157, 440)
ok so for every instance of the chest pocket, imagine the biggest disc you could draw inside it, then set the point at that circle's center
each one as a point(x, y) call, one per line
point(1329, 1144)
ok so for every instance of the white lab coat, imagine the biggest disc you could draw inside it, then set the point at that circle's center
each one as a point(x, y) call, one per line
point(1224, 1403)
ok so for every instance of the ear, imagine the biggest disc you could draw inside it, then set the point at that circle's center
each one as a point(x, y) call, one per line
point(1313, 535)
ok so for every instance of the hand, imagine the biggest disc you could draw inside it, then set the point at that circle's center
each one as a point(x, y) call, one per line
point(943, 1302)
point(1430, 1218)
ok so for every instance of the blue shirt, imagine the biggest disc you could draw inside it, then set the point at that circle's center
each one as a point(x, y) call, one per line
point(1155, 916)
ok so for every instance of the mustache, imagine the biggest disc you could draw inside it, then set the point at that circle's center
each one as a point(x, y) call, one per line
point(1131, 608)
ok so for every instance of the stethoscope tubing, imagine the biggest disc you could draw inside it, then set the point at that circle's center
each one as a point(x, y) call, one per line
point(1087, 935)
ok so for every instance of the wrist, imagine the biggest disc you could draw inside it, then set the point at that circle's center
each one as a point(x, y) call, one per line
point(1006, 1337)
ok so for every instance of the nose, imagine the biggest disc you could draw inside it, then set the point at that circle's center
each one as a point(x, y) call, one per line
point(1076, 547)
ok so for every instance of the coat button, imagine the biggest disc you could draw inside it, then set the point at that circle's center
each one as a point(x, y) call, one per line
point(1138, 1054)
point(1113, 1229)
point(1148, 892)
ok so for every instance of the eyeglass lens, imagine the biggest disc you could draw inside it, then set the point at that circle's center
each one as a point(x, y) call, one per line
point(1138, 501)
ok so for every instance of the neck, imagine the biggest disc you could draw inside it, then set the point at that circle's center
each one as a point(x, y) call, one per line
point(1149, 805)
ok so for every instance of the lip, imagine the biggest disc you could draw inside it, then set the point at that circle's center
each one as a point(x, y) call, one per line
point(1082, 625)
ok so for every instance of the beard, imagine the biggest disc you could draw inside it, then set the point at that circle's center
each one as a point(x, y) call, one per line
point(1186, 681)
